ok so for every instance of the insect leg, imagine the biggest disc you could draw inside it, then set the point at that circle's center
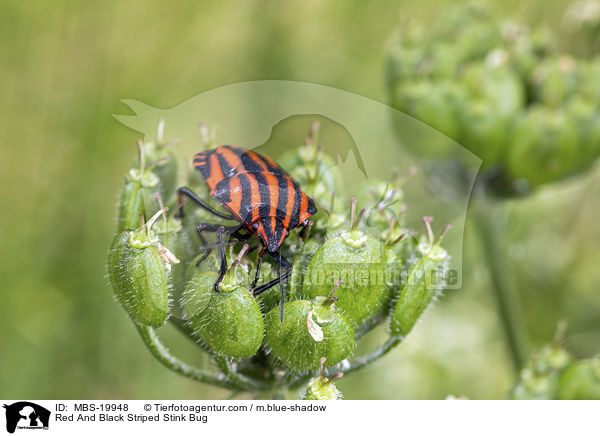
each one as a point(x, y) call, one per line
point(286, 272)
point(306, 230)
point(232, 230)
point(183, 191)
point(223, 268)
point(258, 265)
point(285, 268)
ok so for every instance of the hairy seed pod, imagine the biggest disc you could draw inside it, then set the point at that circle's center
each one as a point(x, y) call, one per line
point(166, 171)
point(300, 265)
point(309, 331)
point(133, 197)
point(171, 235)
point(197, 294)
point(270, 298)
point(162, 160)
point(312, 168)
point(424, 282)
point(359, 261)
point(202, 263)
point(230, 323)
point(139, 276)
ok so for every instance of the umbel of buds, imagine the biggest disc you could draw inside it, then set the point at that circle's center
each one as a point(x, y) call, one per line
point(338, 290)
point(520, 98)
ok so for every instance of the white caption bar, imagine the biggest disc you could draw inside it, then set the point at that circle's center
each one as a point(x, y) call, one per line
point(156, 417)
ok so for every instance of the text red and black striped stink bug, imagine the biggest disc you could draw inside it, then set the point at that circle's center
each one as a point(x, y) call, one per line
point(261, 196)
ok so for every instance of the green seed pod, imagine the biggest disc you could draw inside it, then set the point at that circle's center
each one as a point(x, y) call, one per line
point(197, 294)
point(589, 86)
point(555, 80)
point(580, 381)
point(133, 198)
point(494, 97)
point(163, 162)
point(493, 82)
point(423, 283)
point(139, 276)
point(323, 388)
point(484, 131)
point(401, 255)
point(309, 330)
point(170, 234)
point(231, 323)
point(359, 261)
point(403, 65)
point(313, 169)
point(270, 298)
point(210, 263)
point(477, 39)
point(441, 62)
point(299, 268)
point(385, 206)
point(431, 103)
point(544, 146)
point(166, 171)
point(192, 217)
point(586, 116)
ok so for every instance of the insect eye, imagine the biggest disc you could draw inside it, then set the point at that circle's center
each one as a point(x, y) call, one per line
point(255, 226)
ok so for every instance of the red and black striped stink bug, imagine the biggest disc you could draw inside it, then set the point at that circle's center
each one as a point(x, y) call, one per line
point(261, 196)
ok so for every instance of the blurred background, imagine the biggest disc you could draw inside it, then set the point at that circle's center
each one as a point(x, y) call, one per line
point(64, 67)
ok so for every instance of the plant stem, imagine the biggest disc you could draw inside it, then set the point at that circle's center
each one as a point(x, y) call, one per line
point(486, 217)
point(162, 354)
point(367, 359)
point(242, 382)
point(354, 365)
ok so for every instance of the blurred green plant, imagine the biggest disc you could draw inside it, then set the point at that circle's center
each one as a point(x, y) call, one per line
point(353, 271)
point(552, 373)
point(525, 99)
point(509, 93)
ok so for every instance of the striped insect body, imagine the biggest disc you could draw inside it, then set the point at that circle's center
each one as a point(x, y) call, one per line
point(260, 195)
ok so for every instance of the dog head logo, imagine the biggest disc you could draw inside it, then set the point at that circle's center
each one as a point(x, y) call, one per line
point(26, 415)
